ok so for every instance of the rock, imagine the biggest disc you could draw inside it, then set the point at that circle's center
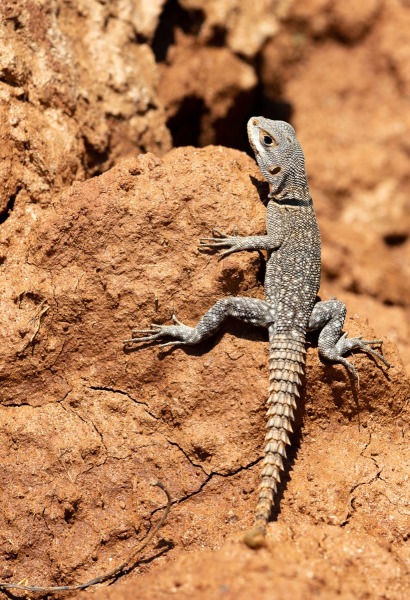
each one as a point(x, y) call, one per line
point(87, 426)
point(76, 93)
point(207, 92)
point(245, 26)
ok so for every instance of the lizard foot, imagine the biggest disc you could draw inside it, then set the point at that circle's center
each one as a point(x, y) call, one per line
point(181, 333)
point(346, 344)
point(221, 240)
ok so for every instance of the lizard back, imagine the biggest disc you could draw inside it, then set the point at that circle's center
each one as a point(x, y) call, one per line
point(293, 270)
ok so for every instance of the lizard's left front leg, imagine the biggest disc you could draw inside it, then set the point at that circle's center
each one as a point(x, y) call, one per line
point(329, 316)
point(249, 310)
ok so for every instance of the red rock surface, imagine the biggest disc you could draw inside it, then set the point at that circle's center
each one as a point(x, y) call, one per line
point(85, 426)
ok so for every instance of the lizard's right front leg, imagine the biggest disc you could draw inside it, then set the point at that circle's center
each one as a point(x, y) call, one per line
point(237, 243)
point(249, 310)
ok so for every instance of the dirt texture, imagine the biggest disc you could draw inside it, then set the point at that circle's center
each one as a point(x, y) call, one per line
point(86, 426)
point(75, 93)
point(96, 238)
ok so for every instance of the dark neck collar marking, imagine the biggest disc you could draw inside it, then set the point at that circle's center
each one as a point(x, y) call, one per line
point(292, 201)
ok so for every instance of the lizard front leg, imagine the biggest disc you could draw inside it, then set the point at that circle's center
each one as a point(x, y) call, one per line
point(249, 310)
point(237, 243)
point(329, 316)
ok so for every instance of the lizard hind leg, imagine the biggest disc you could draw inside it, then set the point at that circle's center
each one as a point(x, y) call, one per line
point(250, 310)
point(329, 316)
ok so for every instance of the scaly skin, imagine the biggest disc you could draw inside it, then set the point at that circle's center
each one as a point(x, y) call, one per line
point(292, 280)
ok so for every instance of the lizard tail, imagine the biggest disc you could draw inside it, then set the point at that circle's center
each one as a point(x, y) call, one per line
point(286, 362)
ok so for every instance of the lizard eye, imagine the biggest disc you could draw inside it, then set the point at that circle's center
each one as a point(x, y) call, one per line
point(267, 139)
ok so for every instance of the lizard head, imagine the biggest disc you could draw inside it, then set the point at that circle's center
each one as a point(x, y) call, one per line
point(280, 158)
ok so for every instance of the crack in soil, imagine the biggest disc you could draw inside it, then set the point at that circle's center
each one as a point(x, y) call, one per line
point(376, 476)
point(208, 479)
point(99, 388)
point(198, 466)
point(39, 406)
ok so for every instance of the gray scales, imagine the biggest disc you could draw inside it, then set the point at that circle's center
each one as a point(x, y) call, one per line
point(292, 242)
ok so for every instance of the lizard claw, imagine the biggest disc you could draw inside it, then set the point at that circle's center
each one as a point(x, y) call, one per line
point(346, 344)
point(176, 321)
point(366, 346)
point(226, 253)
point(350, 367)
point(153, 334)
point(221, 240)
point(181, 333)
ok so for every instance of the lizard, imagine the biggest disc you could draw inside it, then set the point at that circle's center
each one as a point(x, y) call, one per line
point(290, 309)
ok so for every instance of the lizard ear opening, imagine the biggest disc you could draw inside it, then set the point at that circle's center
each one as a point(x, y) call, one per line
point(274, 170)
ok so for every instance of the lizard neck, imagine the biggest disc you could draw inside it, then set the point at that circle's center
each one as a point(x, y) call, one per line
point(292, 191)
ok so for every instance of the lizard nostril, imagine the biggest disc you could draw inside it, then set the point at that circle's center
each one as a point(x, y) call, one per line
point(275, 170)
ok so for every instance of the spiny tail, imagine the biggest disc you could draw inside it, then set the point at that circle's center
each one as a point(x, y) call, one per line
point(286, 362)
